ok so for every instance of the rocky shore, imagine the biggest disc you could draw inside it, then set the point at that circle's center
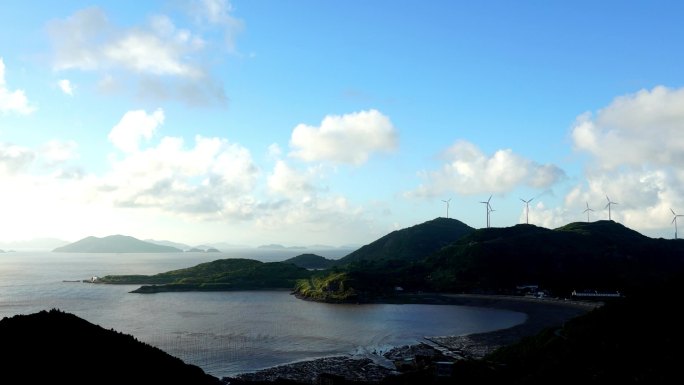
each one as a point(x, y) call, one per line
point(541, 314)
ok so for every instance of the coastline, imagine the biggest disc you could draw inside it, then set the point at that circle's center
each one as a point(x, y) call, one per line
point(541, 314)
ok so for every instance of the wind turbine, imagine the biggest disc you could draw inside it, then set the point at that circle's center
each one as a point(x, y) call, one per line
point(488, 207)
point(447, 205)
point(608, 206)
point(674, 220)
point(587, 211)
point(527, 209)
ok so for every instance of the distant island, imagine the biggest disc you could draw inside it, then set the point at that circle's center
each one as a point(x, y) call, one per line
point(115, 244)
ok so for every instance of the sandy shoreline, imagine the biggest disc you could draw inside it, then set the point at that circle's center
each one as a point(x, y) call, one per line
point(541, 314)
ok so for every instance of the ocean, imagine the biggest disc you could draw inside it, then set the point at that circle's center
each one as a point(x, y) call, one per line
point(224, 333)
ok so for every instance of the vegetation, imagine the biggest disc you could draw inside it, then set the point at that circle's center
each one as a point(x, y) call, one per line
point(311, 261)
point(412, 243)
point(334, 287)
point(115, 244)
point(222, 274)
point(601, 255)
point(60, 348)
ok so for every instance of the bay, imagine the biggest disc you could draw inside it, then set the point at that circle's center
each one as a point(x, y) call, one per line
point(225, 333)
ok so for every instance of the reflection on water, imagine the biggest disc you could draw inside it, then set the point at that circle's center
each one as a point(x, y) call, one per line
point(225, 333)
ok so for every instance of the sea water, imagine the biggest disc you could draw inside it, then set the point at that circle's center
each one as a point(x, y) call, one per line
point(224, 333)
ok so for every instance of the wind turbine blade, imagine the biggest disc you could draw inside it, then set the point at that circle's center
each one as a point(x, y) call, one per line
point(523, 200)
point(607, 198)
point(490, 198)
point(673, 213)
point(531, 199)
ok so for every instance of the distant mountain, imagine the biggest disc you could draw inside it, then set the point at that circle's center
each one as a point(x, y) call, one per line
point(275, 246)
point(311, 261)
point(181, 246)
point(61, 348)
point(115, 244)
point(412, 243)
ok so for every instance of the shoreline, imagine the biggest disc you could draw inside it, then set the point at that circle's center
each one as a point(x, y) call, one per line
point(541, 314)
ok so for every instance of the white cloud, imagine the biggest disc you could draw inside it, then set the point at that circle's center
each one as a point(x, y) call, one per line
point(56, 151)
point(636, 148)
point(220, 13)
point(12, 101)
point(350, 138)
point(645, 128)
point(211, 180)
point(175, 59)
point(134, 126)
point(66, 86)
point(14, 158)
point(467, 170)
point(291, 183)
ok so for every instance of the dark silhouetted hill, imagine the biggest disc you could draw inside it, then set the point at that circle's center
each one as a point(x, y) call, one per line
point(60, 348)
point(311, 261)
point(597, 255)
point(411, 243)
point(115, 244)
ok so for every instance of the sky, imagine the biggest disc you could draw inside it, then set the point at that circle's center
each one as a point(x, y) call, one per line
point(327, 122)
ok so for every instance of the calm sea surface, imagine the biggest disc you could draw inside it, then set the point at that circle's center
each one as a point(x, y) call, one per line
point(224, 333)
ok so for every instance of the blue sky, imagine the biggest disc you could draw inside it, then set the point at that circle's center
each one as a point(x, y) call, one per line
point(308, 122)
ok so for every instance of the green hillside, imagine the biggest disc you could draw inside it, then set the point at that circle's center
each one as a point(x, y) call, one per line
point(412, 243)
point(115, 244)
point(601, 255)
point(222, 274)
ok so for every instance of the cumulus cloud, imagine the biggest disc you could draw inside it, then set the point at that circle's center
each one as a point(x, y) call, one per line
point(14, 158)
point(350, 138)
point(645, 128)
point(174, 57)
point(213, 179)
point(636, 148)
point(134, 126)
point(57, 151)
point(291, 183)
point(12, 101)
point(66, 86)
point(467, 170)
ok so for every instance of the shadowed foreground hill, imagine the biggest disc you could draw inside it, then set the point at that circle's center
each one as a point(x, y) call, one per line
point(60, 348)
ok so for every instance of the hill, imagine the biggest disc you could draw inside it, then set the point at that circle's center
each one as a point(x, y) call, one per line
point(115, 244)
point(311, 261)
point(60, 348)
point(219, 275)
point(601, 255)
point(596, 255)
point(412, 243)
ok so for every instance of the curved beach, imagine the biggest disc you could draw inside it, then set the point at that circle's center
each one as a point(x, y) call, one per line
point(541, 314)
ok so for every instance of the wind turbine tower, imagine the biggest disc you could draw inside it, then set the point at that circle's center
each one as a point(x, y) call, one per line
point(527, 209)
point(674, 220)
point(608, 206)
point(488, 208)
point(447, 205)
point(587, 211)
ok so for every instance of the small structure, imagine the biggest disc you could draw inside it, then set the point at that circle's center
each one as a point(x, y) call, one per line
point(94, 279)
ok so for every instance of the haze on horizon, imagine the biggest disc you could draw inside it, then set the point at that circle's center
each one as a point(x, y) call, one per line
point(335, 123)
